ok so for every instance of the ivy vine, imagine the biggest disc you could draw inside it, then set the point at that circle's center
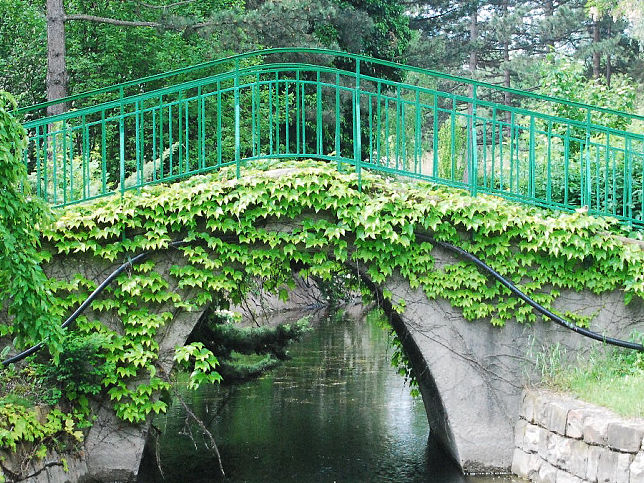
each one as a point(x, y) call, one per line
point(311, 218)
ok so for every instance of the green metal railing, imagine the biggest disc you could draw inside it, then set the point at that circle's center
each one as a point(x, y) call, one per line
point(347, 109)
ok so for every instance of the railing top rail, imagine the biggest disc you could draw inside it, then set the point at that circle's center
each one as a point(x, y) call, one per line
point(332, 53)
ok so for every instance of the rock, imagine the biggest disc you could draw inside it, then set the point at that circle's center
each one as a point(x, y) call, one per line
point(526, 465)
point(637, 469)
point(625, 436)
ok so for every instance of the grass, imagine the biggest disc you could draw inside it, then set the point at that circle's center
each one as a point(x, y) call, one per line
point(609, 377)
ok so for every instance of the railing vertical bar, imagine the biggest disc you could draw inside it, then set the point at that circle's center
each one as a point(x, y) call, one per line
point(237, 123)
point(180, 133)
point(54, 170)
point(531, 161)
point(187, 134)
point(378, 122)
point(137, 144)
point(387, 129)
point(298, 128)
point(417, 146)
point(161, 149)
point(628, 170)
point(170, 141)
point(338, 154)
point(549, 164)
point(435, 171)
point(200, 126)
point(303, 114)
point(606, 173)
point(103, 156)
point(357, 128)
point(219, 127)
point(318, 115)
point(473, 171)
point(64, 130)
point(258, 118)
point(398, 135)
point(493, 149)
point(121, 146)
point(270, 118)
point(566, 163)
point(154, 144)
point(370, 115)
point(37, 143)
point(86, 160)
point(453, 140)
point(512, 147)
point(278, 127)
point(287, 115)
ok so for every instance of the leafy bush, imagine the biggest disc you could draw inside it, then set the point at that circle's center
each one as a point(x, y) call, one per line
point(81, 368)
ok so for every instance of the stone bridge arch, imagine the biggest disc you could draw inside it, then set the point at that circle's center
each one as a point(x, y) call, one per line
point(471, 374)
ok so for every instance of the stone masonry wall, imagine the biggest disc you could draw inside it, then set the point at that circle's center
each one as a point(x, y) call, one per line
point(560, 439)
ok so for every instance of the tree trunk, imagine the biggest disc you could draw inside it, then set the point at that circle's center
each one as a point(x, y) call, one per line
point(56, 68)
point(596, 54)
point(609, 67)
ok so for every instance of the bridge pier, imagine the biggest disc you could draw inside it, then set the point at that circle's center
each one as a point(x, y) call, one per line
point(472, 373)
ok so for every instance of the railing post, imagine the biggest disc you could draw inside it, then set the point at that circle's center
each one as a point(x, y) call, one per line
point(237, 136)
point(357, 139)
point(474, 157)
point(586, 192)
point(121, 143)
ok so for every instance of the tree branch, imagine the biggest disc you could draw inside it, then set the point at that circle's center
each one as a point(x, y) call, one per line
point(165, 7)
point(114, 21)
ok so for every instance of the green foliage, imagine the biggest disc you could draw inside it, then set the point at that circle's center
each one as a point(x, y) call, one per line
point(22, 281)
point(246, 352)
point(595, 376)
point(234, 229)
point(23, 50)
point(80, 370)
point(560, 77)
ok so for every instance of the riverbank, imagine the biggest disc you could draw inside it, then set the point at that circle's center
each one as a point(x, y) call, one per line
point(562, 439)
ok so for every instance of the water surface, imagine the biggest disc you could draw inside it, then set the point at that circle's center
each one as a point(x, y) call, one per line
point(336, 411)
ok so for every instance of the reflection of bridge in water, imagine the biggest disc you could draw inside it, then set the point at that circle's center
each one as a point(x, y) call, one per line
point(347, 111)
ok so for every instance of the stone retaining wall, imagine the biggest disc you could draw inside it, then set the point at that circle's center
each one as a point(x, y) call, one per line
point(560, 439)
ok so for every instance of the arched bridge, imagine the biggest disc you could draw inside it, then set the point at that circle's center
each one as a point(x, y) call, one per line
point(357, 116)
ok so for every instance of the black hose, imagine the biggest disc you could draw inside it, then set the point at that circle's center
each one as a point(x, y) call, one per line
point(131, 262)
point(419, 236)
point(538, 307)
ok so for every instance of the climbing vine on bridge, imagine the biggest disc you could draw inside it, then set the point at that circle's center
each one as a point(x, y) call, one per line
point(309, 218)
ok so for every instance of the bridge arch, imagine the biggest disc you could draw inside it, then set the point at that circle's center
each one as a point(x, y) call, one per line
point(470, 374)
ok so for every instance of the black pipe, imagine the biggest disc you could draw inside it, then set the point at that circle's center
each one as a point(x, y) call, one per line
point(539, 308)
point(88, 301)
point(419, 236)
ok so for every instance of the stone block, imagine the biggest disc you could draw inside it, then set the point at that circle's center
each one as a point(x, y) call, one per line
point(625, 436)
point(595, 427)
point(578, 462)
point(527, 406)
point(525, 465)
point(519, 433)
point(547, 473)
point(592, 462)
point(531, 438)
point(559, 450)
point(637, 469)
point(541, 401)
point(575, 423)
point(544, 443)
point(556, 415)
point(565, 477)
point(614, 467)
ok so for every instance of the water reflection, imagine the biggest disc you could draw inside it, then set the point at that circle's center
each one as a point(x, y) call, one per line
point(336, 411)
